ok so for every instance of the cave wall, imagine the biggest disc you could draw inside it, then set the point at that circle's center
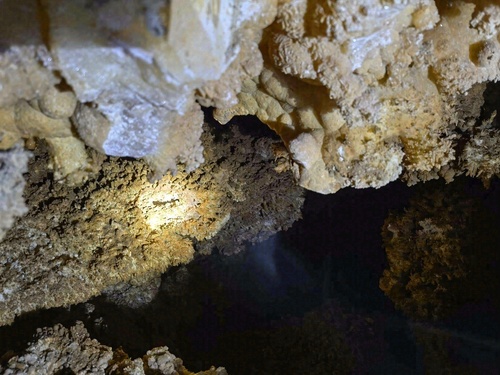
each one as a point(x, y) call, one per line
point(361, 93)
point(366, 92)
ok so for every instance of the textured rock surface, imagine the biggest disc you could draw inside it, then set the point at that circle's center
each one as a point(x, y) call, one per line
point(364, 92)
point(257, 164)
point(442, 251)
point(41, 119)
point(31, 106)
point(117, 232)
point(153, 65)
point(23, 54)
point(481, 154)
point(75, 242)
point(13, 163)
point(135, 67)
point(61, 350)
point(361, 92)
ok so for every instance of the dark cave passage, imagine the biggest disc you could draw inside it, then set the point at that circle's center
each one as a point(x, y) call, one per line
point(209, 311)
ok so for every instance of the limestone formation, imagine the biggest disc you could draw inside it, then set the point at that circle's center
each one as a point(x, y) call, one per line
point(481, 155)
point(25, 63)
point(61, 350)
point(75, 242)
point(139, 64)
point(262, 165)
point(13, 163)
point(116, 233)
point(363, 92)
point(441, 252)
point(32, 103)
point(136, 69)
point(48, 118)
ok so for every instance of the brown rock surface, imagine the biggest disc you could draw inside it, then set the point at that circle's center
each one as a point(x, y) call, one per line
point(117, 228)
point(441, 251)
point(137, 65)
point(140, 65)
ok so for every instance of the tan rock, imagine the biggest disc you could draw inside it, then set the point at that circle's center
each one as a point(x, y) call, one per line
point(57, 104)
point(57, 267)
point(93, 127)
point(26, 121)
point(57, 349)
point(135, 67)
point(117, 232)
point(9, 134)
point(24, 59)
point(364, 92)
point(69, 160)
point(33, 123)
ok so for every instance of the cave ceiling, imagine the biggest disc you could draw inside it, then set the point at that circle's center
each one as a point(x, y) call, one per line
point(116, 162)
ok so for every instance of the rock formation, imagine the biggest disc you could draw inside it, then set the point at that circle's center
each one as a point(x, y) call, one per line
point(441, 252)
point(117, 232)
point(362, 93)
point(124, 180)
point(366, 92)
point(59, 350)
point(135, 68)
point(13, 163)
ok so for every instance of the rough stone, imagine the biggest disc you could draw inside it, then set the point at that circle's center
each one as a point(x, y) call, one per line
point(13, 163)
point(26, 121)
point(365, 92)
point(153, 65)
point(59, 349)
point(440, 251)
point(25, 70)
point(117, 232)
point(57, 104)
point(135, 68)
